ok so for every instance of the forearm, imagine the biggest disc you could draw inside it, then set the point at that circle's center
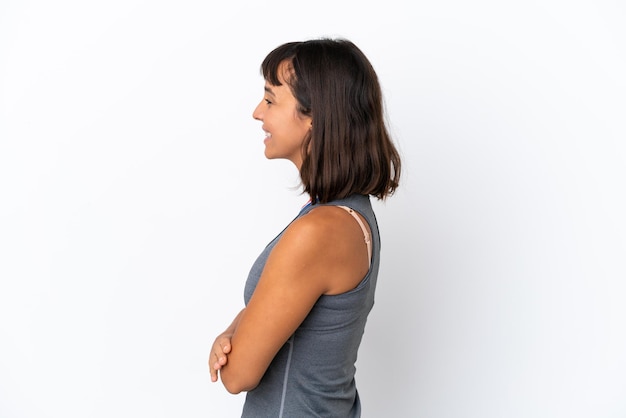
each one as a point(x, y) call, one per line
point(235, 375)
point(233, 326)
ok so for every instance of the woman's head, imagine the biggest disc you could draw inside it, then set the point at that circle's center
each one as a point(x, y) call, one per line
point(346, 148)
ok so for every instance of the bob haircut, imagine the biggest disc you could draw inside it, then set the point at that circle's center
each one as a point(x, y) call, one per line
point(348, 150)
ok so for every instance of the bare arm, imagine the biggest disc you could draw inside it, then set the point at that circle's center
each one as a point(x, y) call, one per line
point(320, 253)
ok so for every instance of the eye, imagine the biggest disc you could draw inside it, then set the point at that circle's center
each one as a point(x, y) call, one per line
point(267, 101)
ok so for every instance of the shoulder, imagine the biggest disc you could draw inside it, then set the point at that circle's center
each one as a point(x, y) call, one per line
point(330, 243)
point(311, 234)
point(321, 225)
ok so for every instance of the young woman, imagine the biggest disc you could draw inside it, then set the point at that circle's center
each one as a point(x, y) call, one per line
point(294, 345)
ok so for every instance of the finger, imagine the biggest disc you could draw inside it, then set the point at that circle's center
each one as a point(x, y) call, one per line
point(219, 360)
point(222, 359)
point(213, 372)
point(225, 344)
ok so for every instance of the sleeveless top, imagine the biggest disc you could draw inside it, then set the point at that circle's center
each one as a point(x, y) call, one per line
point(312, 375)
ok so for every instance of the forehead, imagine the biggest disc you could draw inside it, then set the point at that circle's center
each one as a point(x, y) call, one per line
point(281, 93)
point(284, 72)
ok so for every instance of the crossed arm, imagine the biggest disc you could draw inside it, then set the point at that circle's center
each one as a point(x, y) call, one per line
point(319, 253)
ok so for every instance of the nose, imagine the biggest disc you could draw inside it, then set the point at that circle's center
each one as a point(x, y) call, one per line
point(257, 114)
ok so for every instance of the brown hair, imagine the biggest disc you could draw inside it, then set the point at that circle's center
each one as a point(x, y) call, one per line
point(348, 150)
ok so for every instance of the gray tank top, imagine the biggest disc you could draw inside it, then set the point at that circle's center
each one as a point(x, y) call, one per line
point(312, 375)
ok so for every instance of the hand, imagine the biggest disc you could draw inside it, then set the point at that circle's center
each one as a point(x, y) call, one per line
point(218, 356)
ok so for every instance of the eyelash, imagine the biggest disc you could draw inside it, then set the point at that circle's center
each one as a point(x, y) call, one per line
point(267, 102)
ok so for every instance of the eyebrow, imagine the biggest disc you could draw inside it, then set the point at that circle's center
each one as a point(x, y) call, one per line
point(269, 91)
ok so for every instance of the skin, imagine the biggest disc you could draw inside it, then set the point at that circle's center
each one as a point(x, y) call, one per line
point(284, 126)
point(321, 253)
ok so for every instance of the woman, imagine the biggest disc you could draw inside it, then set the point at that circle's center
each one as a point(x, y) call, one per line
point(294, 346)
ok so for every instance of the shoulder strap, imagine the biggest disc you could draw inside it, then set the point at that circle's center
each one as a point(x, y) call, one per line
point(366, 235)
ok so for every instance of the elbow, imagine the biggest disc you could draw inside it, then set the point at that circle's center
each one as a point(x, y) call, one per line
point(233, 389)
point(237, 382)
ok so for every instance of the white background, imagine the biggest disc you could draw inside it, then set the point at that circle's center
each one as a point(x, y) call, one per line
point(134, 196)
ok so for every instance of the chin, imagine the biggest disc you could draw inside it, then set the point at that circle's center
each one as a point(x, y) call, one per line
point(270, 155)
